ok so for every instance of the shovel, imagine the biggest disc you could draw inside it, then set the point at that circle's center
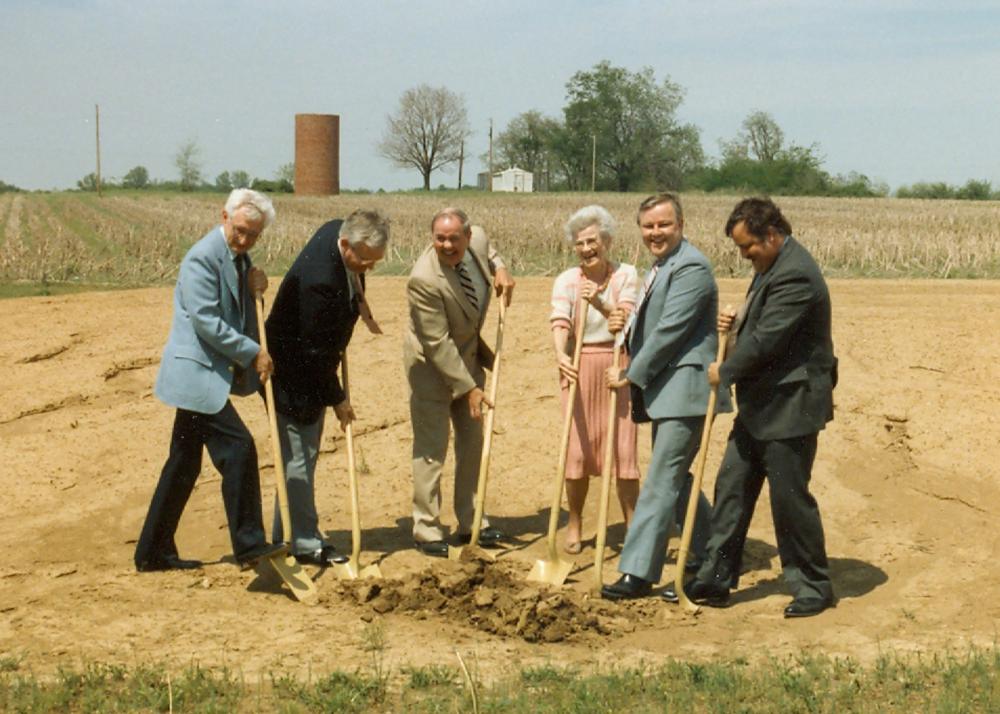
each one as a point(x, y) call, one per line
point(553, 569)
point(455, 553)
point(285, 565)
point(609, 455)
point(692, 505)
point(351, 570)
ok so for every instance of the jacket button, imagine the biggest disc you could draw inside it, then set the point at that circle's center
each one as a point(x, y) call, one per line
point(230, 368)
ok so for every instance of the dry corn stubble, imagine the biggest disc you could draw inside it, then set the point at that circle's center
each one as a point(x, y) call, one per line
point(136, 238)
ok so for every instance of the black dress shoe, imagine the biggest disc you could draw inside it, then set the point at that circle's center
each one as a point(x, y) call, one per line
point(626, 588)
point(435, 548)
point(168, 562)
point(487, 536)
point(323, 557)
point(699, 592)
point(250, 557)
point(807, 606)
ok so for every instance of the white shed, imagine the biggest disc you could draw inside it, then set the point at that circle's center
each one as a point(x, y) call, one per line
point(513, 180)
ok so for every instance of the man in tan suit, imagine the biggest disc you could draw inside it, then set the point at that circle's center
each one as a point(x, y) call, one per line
point(445, 357)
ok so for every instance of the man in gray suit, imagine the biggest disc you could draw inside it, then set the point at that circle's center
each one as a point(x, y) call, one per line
point(212, 351)
point(784, 370)
point(671, 342)
point(444, 356)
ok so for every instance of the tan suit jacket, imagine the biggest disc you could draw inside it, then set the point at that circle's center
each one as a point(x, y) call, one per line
point(445, 357)
point(443, 352)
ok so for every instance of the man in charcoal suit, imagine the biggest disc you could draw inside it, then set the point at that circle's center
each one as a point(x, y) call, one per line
point(309, 328)
point(444, 357)
point(212, 351)
point(784, 369)
point(671, 343)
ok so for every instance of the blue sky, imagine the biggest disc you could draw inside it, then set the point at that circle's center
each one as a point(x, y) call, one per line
point(899, 91)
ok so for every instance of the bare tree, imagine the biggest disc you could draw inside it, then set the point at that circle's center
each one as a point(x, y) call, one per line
point(427, 130)
point(187, 163)
point(762, 136)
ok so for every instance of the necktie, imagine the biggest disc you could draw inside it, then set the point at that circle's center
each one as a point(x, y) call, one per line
point(467, 286)
point(241, 277)
point(741, 316)
point(363, 308)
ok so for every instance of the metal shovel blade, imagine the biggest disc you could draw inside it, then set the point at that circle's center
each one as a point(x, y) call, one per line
point(352, 571)
point(553, 571)
point(294, 576)
point(470, 553)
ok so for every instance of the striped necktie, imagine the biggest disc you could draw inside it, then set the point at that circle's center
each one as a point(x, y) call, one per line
point(467, 286)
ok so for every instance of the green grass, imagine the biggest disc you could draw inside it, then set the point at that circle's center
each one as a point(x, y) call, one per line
point(808, 683)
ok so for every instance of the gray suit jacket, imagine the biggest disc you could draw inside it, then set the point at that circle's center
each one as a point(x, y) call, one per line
point(443, 353)
point(673, 340)
point(210, 341)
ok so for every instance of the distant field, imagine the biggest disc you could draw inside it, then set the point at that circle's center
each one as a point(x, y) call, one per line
point(138, 238)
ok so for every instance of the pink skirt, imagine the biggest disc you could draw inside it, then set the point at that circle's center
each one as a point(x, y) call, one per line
point(590, 419)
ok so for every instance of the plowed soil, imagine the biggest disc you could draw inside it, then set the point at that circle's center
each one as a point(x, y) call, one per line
point(908, 486)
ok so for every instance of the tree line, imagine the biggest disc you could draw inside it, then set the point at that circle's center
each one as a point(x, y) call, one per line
point(619, 131)
point(191, 177)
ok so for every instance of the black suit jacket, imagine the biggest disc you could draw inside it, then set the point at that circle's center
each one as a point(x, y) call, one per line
point(783, 365)
point(310, 325)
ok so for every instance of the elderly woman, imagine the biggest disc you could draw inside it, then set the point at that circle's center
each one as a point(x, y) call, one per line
point(604, 285)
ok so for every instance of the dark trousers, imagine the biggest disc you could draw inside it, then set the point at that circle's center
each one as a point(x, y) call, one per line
point(233, 453)
point(787, 465)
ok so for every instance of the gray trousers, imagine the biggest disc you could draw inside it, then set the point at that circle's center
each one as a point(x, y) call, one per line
point(663, 500)
point(299, 452)
point(787, 466)
point(431, 421)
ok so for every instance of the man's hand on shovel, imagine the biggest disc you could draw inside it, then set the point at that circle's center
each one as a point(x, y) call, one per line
point(724, 323)
point(477, 398)
point(345, 413)
point(262, 363)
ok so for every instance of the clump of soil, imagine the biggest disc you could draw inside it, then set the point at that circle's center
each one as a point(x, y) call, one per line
point(495, 598)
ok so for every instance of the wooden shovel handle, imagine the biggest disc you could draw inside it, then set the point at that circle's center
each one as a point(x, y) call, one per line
point(279, 464)
point(557, 483)
point(699, 472)
point(606, 468)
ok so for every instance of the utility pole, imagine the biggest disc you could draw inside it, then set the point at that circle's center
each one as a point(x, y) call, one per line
point(490, 183)
point(461, 160)
point(97, 124)
point(593, 162)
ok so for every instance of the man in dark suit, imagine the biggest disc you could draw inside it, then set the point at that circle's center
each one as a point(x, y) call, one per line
point(783, 366)
point(212, 351)
point(309, 328)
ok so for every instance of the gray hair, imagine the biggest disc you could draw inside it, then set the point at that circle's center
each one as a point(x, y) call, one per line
point(253, 203)
point(370, 227)
point(587, 216)
point(455, 212)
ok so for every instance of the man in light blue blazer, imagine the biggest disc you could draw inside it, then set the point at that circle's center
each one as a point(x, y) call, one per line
point(671, 341)
point(212, 351)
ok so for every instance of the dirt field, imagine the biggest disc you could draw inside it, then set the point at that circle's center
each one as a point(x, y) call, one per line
point(908, 489)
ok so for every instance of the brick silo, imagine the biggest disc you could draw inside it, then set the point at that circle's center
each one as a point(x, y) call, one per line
point(317, 154)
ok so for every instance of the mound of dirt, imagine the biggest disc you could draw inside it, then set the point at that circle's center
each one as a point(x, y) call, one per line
point(493, 597)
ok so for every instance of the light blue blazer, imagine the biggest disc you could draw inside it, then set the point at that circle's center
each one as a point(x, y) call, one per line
point(211, 338)
point(673, 339)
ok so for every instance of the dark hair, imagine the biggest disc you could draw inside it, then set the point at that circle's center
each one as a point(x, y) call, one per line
point(658, 198)
point(758, 215)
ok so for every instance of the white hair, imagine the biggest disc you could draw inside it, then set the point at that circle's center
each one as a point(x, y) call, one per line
point(590, 216)
point(368, 227)
point(253, 203)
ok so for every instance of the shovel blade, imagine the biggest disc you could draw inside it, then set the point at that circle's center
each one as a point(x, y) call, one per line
point(470, 553)
point(553, 571)
point(295, 577)
point(351, 571)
